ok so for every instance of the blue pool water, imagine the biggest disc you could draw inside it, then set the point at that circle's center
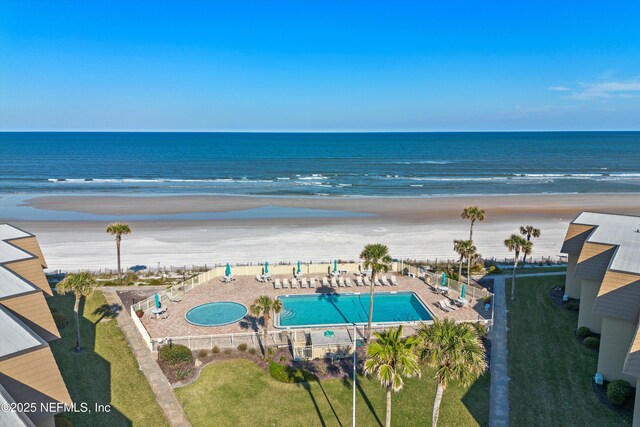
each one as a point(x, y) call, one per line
point(216, 313)
point(340, 309)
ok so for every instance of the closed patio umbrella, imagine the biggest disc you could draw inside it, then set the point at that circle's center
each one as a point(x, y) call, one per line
point(335, 265)
point(444, 279)
point(299, 271)
point(157, 298)
point(266, 267)
point(463, 291)
point(227, 272)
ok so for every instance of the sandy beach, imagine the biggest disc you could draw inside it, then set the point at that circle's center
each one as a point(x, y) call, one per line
point(420, 228)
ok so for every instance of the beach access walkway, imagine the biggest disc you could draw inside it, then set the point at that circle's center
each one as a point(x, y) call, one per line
point(159, 385)
point(499, 388)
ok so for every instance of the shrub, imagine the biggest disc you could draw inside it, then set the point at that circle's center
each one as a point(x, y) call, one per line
point(618, 391)
point(486, 299)
point(202, 354)
point(227, 351)
point(60, 319)
point(182, 374)
point(591, 342)
point(252, 351)
point(583, 332)
point(494, 269)
point(242, 347)
point(287, 374)
point(481, 328)
point(572, 306)
point(175, 354)
point(283, 358)
point(215, 350)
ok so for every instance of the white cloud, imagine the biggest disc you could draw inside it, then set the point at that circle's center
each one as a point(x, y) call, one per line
point(608, 89)
point(559, 88)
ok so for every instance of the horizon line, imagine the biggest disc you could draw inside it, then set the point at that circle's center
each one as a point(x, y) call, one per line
point(319, 131)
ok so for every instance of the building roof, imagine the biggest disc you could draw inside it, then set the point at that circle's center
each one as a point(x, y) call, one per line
point(12, 418)
point(11, 284)
point(339, 337)
point(15, 336)
point(622, 231)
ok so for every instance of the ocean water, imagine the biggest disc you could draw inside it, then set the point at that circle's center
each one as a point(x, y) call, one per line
point(320, 164)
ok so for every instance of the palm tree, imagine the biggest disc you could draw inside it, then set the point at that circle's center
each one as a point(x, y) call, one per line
point(81, 285)
point(455, 351)
point(518, 245)
point(472, 213)
point(263, 306)
point(462, 247)
point(118, 229)
point(529, 231)
point(376, 258)
point(392, 358)
point(472, 255)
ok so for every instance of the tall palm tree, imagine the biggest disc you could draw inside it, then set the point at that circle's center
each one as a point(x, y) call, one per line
point(392, 358)
point(81, 285)
point(518, 245)
point(376, 258)
point(462, 247)
point(473, 214)
point(263, 306)
point(529, 231)
point(455, 351)
point(118, 229)
point(472, 255)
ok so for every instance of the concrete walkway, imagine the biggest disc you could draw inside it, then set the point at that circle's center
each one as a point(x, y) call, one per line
point(159, 385)
point(499, 389)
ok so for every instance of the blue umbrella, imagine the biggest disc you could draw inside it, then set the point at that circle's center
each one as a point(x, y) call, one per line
point(444, 279)
point(335, 265)
point(299, 271)
point(227, 272)
point(157, 301)
point(266, 267)
point(463, 291)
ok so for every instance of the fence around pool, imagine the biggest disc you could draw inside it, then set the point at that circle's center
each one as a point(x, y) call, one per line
point(298, 340)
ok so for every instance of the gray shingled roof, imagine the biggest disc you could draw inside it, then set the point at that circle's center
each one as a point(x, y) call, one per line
point(15, 336)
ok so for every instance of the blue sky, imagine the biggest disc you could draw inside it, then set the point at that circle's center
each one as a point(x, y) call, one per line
point(319, 66)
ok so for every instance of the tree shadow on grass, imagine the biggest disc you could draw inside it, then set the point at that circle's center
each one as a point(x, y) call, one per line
point(107, 311)
point(476, 399)
point(348, 382)
point(87, 375)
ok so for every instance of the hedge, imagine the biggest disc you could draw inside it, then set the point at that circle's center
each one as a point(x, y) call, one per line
point(287, 374)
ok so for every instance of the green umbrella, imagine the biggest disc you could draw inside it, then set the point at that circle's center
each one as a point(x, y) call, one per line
point(444, 279)
point(335, 265)
point(266, 267)
point(299, 271)
point(227, 272)
point(463, 291)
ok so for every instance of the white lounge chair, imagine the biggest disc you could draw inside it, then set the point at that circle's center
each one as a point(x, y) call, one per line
point(384, 281)
point(303, 283)
point(359, 281)
point(294, 284)
point(334, 284)
point(312, 282)
point(377, 282)
point(285, 283)
point(394, 282)
point(347, 282)
point(443, 306)
point(449, 305)
point(325, 282)
point(367, 281)
point(341, 282)
point(276, 284)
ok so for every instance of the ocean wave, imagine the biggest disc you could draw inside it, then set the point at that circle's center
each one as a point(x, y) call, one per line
point(153, 180)
point(313, 176)
point(423, 162)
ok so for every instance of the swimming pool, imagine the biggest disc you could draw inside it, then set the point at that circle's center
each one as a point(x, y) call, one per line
point(216, 313)
point(345, 309)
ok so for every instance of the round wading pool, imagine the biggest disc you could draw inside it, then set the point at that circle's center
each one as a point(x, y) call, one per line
point(216, 313)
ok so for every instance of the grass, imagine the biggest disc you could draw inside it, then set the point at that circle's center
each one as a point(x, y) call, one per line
point(106, 372)
point(550, 370)
point(544, 269)
point(238, 392)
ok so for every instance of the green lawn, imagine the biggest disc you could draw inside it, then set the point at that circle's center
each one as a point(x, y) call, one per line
point(550, 370)
point(238, 392)
point(533, 270)
point(106, 372)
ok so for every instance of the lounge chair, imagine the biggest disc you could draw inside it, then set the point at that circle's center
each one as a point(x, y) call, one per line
point(276, 284)
point(377, 282)
point(312, 282)
point(359, 281)
point(394, 282)
point(347, 282)
point(442, 306)
point(334, 284)
point(285, 283)
point(452, 307)
point(294, 284)
point(165, 315)
point(367, 281)
point(176, 300)
point(341, 282)
point(384, 281)
point(325, 282)
point(303, 283)
point(259, 278)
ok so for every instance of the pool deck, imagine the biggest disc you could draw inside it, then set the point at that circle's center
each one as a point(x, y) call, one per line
point(246, 289)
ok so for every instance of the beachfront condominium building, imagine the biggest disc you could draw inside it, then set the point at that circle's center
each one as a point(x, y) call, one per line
point(604, 274)
point(29, 377)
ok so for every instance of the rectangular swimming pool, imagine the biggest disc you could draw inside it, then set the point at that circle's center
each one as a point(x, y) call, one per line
point(344, 309)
